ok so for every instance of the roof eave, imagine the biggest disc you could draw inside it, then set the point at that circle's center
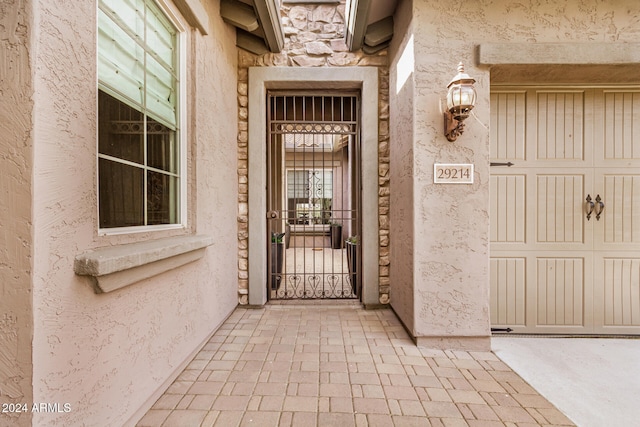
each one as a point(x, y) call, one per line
point(269, 16)
point(356, 17)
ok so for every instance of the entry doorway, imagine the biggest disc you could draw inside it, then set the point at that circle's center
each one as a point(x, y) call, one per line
point(313, 197)
point(261, 80)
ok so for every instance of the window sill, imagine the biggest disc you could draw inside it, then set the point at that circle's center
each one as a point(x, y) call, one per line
point(115, 267)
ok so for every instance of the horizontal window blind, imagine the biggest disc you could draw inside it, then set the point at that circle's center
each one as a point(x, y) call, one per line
point(137, 57)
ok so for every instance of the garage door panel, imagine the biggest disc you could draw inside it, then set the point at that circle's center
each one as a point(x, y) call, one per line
point(617, 293)
point(560, 291)
point(621, 286)
point(559, 202)
point(621, 214)
point(560, 125)
point(508, 118)
point(508, 208)
point(508, 293)
point(621, 125)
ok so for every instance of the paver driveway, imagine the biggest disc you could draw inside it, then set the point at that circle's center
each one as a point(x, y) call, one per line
point(340, 365)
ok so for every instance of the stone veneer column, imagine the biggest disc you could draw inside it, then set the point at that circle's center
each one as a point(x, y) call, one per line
point(243, 185)
point(314, 37)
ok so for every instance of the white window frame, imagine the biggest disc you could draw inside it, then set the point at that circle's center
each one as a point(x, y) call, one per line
point(172, 14)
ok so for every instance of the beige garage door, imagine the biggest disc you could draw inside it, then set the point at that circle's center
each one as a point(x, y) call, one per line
point(565, 217)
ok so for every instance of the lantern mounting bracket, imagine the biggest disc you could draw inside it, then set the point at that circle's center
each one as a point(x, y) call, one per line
point(452, 127)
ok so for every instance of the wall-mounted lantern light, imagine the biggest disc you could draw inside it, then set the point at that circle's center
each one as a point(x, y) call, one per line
point(461, 99)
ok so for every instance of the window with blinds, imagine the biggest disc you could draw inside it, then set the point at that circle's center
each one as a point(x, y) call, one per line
point(138, 124)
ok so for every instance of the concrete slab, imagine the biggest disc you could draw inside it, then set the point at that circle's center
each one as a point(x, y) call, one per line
point(593, 381)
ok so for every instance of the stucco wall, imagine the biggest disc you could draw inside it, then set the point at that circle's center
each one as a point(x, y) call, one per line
point(451, 222)
point(401, 98)
point(16, 166)
point(107, 354)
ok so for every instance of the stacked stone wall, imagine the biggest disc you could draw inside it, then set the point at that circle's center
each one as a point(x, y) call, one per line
point(314, 37)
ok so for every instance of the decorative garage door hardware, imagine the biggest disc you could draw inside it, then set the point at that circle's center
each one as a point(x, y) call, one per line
point(598, 206)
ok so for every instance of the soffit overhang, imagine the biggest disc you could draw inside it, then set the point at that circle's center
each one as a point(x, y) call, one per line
point(257, 22)
point(368, 23)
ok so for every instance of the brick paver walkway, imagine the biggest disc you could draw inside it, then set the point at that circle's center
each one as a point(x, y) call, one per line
point(340, 365)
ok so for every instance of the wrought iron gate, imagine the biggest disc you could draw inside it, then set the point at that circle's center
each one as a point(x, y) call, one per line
point(313, 195)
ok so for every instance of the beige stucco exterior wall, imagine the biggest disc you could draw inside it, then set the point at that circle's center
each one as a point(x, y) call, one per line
point(401, 100)
point(108, 355)
point(16, 247)
point(450, 223)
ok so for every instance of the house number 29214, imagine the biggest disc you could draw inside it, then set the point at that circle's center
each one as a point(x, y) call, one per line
point(453, 173)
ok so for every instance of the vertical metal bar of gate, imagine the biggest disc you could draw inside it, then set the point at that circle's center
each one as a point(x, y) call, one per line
point(313, 167)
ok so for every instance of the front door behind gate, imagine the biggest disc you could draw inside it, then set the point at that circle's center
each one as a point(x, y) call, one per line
point(313, 195)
